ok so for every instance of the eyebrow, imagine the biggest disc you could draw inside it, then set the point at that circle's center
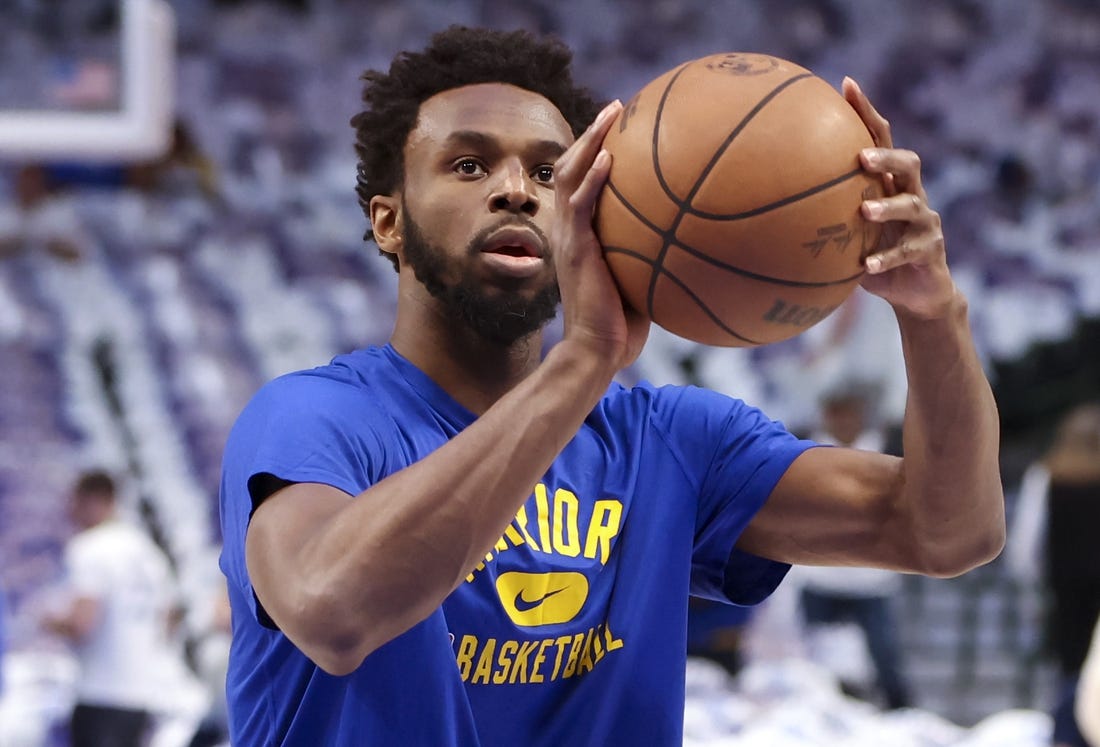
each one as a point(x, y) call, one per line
point(549, 149)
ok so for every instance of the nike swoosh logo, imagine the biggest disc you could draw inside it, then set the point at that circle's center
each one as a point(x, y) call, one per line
point(523, 605)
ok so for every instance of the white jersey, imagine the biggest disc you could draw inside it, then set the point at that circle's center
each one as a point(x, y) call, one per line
point(123, 657)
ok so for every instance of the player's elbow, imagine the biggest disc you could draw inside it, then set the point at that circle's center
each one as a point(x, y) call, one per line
point(972, 550)
point(330, 635)
point(336, 661)
point(336, 651)
point(338, 637)
point(341, 652)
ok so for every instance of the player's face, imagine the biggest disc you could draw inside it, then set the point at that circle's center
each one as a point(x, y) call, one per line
point(478, 200)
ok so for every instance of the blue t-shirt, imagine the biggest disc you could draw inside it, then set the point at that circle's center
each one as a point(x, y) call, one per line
point(572, 630)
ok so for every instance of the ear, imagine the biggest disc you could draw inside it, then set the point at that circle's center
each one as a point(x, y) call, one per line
point(386, 223)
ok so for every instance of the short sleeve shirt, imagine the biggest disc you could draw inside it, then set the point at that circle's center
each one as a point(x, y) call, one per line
point(574, 623)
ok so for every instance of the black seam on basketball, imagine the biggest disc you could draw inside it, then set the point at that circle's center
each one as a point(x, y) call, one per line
point(669, 235)
point(691, 294)
point(634, 211)
point(680, 204)
point(778, 203)
point(764, 278)
point(721, 150)
point(644, 259)
point(670, 241)
point(655, 137)
point(666, 237)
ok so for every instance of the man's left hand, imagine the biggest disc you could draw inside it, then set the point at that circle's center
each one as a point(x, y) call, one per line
point(909, 266)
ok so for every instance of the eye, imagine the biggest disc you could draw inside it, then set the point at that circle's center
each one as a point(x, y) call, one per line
point(543, 173)
point(469, 167)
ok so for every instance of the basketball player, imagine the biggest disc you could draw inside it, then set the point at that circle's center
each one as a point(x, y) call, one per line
point(455, 540)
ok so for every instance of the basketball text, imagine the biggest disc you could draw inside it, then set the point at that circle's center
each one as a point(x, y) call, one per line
point(489, 661)
point(736, 63)
point(839, 235)
point(556, 528)
point(783, 312)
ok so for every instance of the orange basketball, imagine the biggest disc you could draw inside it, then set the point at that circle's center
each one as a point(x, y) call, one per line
point(732, 212)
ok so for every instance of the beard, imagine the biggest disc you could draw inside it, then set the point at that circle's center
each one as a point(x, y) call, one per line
point(500, 317)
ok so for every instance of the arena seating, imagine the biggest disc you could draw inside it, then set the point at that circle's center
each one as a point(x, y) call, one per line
point(136, 349)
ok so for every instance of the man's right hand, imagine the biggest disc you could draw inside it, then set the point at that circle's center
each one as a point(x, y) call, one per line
point(594, 313)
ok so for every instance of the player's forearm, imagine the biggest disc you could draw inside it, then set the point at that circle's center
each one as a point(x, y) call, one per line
point(404, 544)
point(952, 484)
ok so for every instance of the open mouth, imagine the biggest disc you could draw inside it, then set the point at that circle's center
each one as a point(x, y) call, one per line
point(514, 241)
point(512, 251)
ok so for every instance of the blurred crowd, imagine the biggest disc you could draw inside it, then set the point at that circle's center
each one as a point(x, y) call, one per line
point(142, 303)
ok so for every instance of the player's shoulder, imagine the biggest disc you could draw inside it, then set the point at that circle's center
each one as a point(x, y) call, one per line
point(646, 396)
point(687, 413)
point(357, 369)
point(343, 381)
point(356, 392)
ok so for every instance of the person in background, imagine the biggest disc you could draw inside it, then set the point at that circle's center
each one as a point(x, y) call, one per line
point(35, 220)
point(1053, 542)
point(119, 616)
point(863, 596)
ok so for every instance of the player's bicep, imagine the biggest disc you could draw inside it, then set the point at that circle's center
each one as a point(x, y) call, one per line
point(833, 506)
point(278, 538)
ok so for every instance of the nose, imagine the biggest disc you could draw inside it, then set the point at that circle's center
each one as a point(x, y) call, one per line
point(514, 191)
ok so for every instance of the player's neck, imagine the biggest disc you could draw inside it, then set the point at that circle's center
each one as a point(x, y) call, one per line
point(473, 370)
